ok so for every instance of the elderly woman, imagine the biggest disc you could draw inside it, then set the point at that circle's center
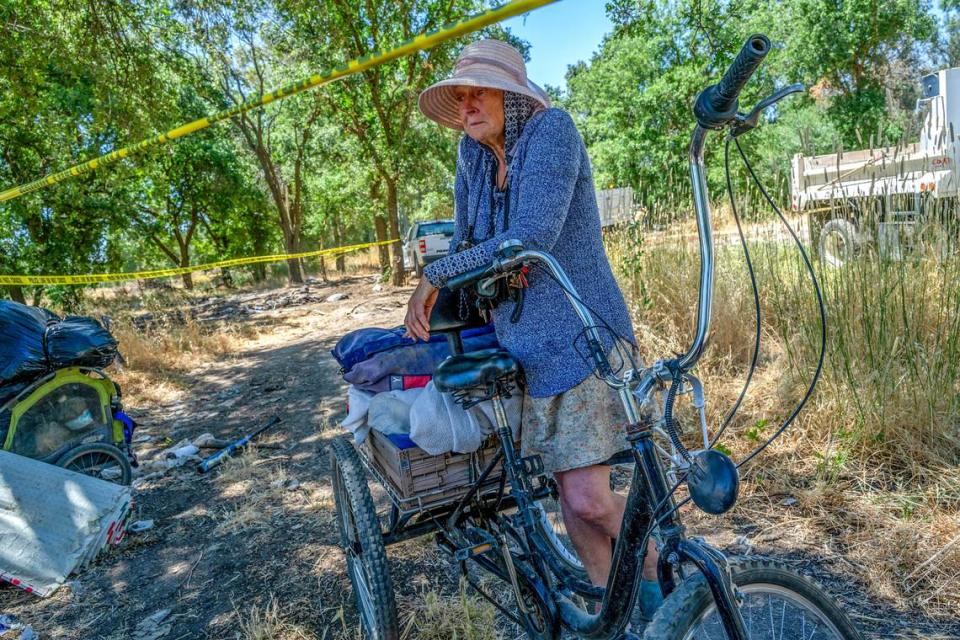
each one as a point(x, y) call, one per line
point(523, 173)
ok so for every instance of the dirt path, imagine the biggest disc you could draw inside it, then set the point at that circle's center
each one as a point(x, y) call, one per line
point(263, 528)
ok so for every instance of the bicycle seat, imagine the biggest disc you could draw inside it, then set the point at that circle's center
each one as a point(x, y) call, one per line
point(475, 369)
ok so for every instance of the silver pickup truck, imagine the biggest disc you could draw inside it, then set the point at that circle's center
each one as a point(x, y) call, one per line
point(426, 242)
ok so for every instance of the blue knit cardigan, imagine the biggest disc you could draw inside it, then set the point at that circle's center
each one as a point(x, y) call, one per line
point(552, 208)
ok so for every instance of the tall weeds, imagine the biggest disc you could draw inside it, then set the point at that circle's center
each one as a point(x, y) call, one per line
point(874, 457)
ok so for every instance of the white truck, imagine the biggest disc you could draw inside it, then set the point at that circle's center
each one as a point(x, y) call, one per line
point(425, 242)
point(882, 195)
point(616, 206)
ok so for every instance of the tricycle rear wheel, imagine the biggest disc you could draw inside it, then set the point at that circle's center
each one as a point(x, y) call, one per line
point(362, 541)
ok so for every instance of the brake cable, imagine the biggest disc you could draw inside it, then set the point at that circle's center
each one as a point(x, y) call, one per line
point(756, 299)
point(823, 341)
point(820, 307)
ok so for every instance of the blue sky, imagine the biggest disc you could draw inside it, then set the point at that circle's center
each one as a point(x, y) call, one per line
point(565, 32)
point(561, 34)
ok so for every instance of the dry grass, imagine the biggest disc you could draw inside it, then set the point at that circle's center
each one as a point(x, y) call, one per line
point(269, 623)
point(873, 459)
point(252, 494)
point(254, 490)
point(180, 347)
point(464, 616)
point(157, 356)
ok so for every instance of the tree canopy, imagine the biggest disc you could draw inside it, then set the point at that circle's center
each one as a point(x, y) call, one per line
point(354, 161)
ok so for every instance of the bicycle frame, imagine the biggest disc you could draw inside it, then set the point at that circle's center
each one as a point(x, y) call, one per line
point(649, 490)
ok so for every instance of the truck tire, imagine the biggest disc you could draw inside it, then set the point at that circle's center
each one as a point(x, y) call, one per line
point(838, 242)
point(417, 268)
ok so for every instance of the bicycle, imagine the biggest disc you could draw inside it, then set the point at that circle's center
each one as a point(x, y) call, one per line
point(505, 533)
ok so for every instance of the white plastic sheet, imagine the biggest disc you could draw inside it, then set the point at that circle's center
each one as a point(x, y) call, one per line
point(54, 521)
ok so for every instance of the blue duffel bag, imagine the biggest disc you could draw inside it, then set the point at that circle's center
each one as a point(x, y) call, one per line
point(375, 359)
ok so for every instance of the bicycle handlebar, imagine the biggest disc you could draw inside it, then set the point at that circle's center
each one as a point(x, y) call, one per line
point(468, 278)
point(717, 105)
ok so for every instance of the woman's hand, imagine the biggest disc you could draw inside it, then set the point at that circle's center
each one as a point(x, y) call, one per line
point(419, 307)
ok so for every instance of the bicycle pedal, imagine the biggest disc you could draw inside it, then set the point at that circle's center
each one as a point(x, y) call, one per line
point(465, 553)
point(532, 465)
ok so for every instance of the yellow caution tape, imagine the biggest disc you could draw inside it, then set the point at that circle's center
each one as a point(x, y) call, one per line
point(418, 43)
point(95, 278)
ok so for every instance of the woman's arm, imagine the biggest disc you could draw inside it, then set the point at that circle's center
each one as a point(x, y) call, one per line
point(546, 185)
point(424, 297)
point(461, 215)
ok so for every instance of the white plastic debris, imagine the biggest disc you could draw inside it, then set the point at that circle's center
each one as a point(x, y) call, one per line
point(186, 451)
point(203, 439)
point(337, 297)
point(140, 526)
point(111, 473)
point(9, 623)
point(153, 627)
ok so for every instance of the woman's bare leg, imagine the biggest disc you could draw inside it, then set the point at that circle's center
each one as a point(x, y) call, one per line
point(592, 514)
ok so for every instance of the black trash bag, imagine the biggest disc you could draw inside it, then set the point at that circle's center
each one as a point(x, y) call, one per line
point(9, 391)
point(79, 341)
point(34, 341)
point(21, 341)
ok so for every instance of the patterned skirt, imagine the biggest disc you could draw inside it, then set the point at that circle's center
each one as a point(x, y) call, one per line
point(577, 428)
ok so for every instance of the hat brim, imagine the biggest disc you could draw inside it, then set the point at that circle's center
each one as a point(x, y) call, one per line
point(439, 101)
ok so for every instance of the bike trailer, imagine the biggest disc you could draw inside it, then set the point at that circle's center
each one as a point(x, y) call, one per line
point(61, 411)
point(56, 404)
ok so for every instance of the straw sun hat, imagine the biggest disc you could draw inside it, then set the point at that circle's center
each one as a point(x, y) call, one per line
point(486, 63)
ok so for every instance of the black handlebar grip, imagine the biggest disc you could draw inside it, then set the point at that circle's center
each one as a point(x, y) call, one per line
point(469, 277)
point(717, 105)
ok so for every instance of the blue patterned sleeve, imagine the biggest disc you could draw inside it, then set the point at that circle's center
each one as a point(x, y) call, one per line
point(545, 185)
point(438, 272)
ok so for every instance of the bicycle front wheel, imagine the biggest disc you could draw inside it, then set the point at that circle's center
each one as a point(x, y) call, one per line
point(778, 604)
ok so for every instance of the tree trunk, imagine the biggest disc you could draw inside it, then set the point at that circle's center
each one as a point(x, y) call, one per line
point(185, 262)
point(380, 225)
point(393, 214)
point(338, 239)
point(293, 264)
point(15, 291)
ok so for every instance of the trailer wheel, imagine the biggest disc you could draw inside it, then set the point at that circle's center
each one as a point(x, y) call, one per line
point(838, 242)
point(99, 460)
